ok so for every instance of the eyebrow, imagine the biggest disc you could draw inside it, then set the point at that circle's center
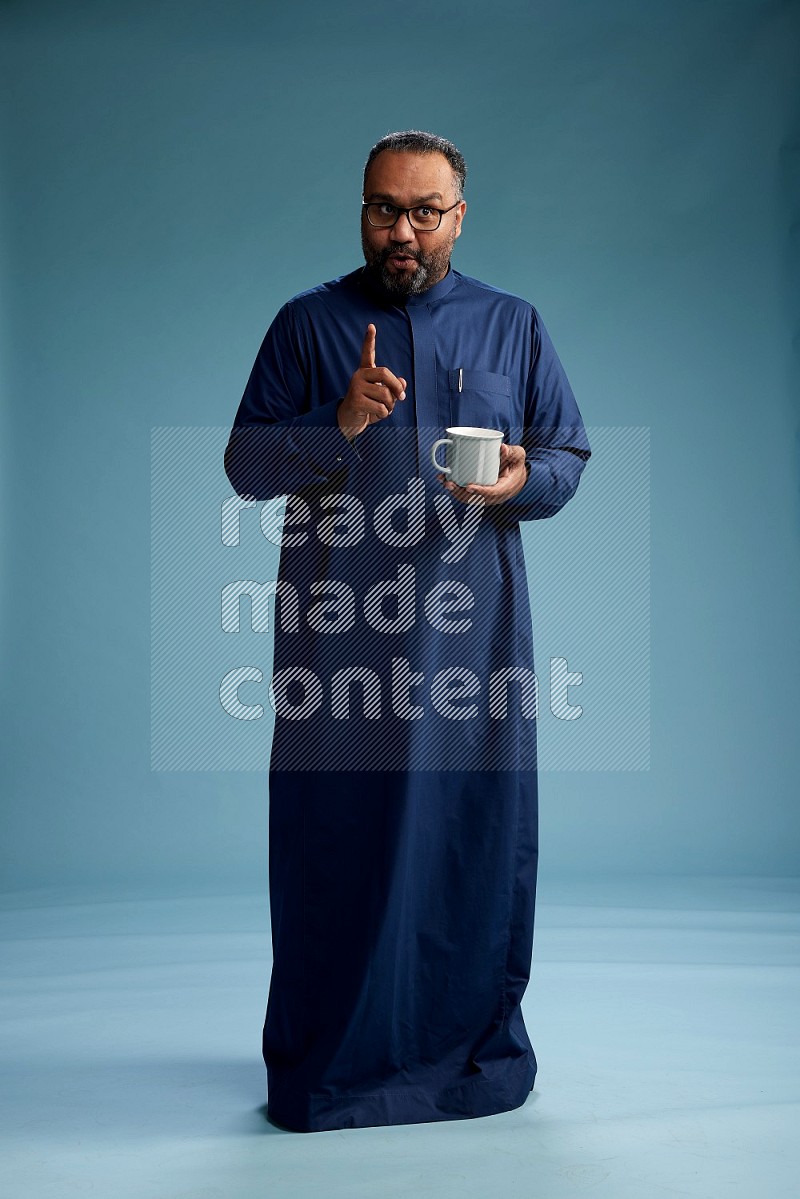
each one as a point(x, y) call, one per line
point(392, 200)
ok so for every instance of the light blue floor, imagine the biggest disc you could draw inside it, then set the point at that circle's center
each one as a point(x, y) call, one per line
point(664, 1015)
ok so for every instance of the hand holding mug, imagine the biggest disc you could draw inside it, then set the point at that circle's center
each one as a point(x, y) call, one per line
point(512, 477)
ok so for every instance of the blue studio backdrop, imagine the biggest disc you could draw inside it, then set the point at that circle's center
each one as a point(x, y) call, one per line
point(172, 174)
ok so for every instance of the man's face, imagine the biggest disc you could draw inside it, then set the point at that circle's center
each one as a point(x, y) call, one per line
point(410, 260)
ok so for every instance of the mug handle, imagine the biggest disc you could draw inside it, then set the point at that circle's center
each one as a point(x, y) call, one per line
point(446, 470)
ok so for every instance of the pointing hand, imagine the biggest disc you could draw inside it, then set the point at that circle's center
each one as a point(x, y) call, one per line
point(372, 393)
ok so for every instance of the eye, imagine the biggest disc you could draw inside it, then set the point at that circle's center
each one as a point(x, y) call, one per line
point(425, 212)
point(386, 209)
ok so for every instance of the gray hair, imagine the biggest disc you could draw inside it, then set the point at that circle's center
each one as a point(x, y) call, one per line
point(415, 141)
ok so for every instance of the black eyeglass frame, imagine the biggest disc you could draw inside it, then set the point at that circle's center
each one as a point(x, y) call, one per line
point(367, 204)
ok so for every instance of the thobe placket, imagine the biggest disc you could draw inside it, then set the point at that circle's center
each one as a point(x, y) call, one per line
point(432, 409)
point(426, 404)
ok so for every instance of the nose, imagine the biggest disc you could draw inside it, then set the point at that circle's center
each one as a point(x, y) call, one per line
point(402, 230)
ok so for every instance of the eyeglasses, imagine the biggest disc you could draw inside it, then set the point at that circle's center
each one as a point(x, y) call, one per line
point(384, 216)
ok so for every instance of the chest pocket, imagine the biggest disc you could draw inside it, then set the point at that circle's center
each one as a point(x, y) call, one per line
point(480, 398)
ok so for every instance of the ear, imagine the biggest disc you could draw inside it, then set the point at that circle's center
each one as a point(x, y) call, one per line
point(462, 208)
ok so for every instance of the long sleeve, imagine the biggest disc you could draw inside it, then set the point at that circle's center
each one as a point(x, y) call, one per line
point(554, 437)
point(285, 438)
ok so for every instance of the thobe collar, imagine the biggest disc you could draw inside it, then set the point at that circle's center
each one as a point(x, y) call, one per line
point(371, 281)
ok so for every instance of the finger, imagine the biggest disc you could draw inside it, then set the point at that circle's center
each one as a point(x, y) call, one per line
point(381, 395)
point(512, 458)
point(463, 494)
point(505, 487)
point(505, 482)
point(512, 453)
point(485, 490)
point(382, 374)
point(376, 410)
point(368, 348)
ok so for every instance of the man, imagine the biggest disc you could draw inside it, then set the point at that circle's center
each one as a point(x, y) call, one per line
point(403, 783)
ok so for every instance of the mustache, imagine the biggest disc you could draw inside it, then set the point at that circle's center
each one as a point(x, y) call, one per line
point(387, 254)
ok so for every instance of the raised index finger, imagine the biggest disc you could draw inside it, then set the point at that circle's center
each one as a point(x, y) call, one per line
point(368, 348)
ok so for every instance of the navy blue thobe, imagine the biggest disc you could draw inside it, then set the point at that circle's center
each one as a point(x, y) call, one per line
point(403, 783)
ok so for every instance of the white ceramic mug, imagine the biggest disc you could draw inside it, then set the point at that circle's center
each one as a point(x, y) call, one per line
point(473, 456)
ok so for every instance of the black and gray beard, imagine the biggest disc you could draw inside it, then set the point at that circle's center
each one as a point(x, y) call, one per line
point(430, 267)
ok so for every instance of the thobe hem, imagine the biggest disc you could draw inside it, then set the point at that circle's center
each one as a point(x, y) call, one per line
point(471, 1098)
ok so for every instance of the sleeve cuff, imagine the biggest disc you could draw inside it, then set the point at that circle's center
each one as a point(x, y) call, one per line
point(329, 449)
